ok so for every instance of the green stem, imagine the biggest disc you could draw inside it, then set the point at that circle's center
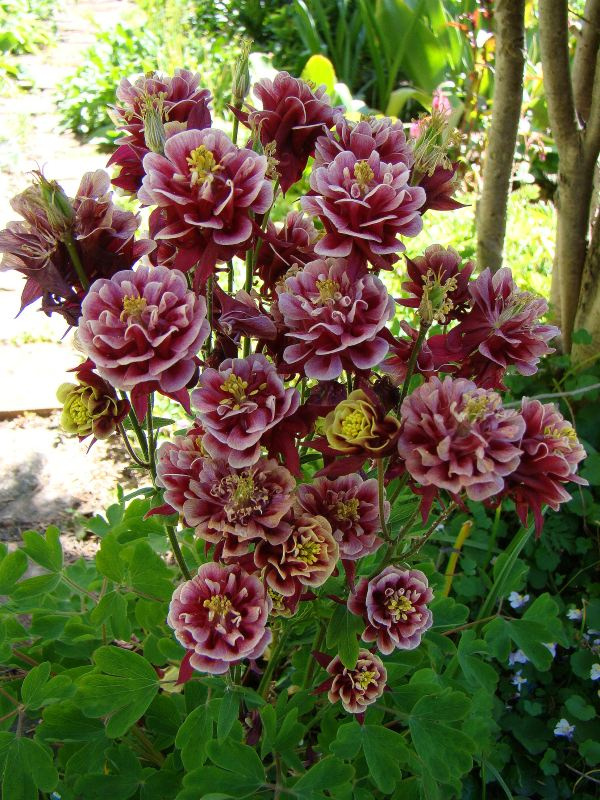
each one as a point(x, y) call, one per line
point(75, 260)
point(130, 449)
point(398, 489)
point(381, 498)
point(265, 681)
point(177, 552)
point(311, 664)
point(141, 436)
point(430, 531)
point(209, 312)
point(230, 276)
point(424, 327)
point(151, 438)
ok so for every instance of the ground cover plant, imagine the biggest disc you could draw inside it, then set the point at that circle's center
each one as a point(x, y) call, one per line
point(280, 611)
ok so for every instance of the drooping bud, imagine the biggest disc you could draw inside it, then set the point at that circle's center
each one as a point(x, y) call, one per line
point(90, 407)
point(241, 74)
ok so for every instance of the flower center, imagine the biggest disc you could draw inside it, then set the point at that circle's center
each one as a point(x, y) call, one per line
point(78, 411)
point(436, 304)
point(236, 387)
point(347, 509)
point(365, 679)
point(398, 605)
point(244, 489)
point(566, 432)
point(477, 407)
point(363, 175)
point(133, 308)
point(202, 165)
point(328, 289)
point(308, 551)
point(218, 606)
point(353, 424)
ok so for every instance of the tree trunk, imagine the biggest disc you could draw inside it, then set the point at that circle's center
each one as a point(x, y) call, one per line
point(508, 95)
point(588, 313)
point(578, 149)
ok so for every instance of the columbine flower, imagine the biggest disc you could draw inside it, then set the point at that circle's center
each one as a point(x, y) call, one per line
point(350, 505)
point(177, 462)
point(362, 138)
point(293, 243)
point(394, 608)
point(595, 672)
point(101, 237)
point(551, 453)
point(206, 190)
point(518, 680)
point(439, 282)
point(308, 556)
point(575, 614)
point(517, 600)
point(293, 116)
point(358, 425)
point(143, 329)
point(90, 407)
point(458, 437)
point(237, 506)
point(564, 728)
point(220, 615)
point(518, 657)
point(359, 687)
point(335, 315)
point(365, 205)
point(501, 330)
point(238, 403)
point(169, 104)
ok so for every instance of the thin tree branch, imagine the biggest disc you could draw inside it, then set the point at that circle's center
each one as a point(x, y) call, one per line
point(584, 62)
point(554, 45)
point(592, 133)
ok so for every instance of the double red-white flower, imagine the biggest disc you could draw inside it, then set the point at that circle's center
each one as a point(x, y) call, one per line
point(394, 608)
point(220, 616)
point(142, 330)
point(335, 313)
point(459, 438)
point(365, 205)
point(362, 138)
point(175, 102)
point(551, 453)
point(238, 403)
point(177, 462)
point(350, 505)
point(359, 687)
point(239, 506)
point(205, 189)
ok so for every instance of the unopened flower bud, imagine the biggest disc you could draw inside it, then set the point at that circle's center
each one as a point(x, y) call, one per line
point(55, 203)
point(90, 407)
point(154, 129)
point(434, 139)
point(241, 73)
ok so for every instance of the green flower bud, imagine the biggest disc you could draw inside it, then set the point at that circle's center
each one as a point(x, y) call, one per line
point(55, 203)
point(90, 407)
point(241, 73)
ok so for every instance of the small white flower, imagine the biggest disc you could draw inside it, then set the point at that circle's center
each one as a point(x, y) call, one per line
point(517, 600)
point(595, 672)
point(518, 680)
point(575, 614)
point(564, 728)
point(518, 657)
point(552, 647)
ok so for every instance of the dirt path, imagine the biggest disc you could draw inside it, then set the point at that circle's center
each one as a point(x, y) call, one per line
point(45, 476)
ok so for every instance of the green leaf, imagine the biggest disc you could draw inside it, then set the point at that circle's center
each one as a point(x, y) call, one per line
point(591, 469)
point(229, 709)
point(444, 749)
point(236, 757)
point(148, 573)
point(325, 774)
point(108, 559)
point(581, 336)
point(590, 750)
point(476, 671)
point(193, 736)
point(33, 683)
point(122, 688)
point(28, 768)
point(36, 587)
point(579, 708)
point(342, 633)
point(348, 741)
point(44, 550)
point(12, 567)
point(113, 608)
point(290, 732)
point(383, 749)
point(214, 780)
point(65, 722)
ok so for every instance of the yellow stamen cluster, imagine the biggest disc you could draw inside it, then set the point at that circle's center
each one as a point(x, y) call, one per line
point(435, 303)
point(347, 509)
point(363, 175)
point(78, 411)
point(133, 307)
point(365, 679)
point(244, 489)
point(308, 551)
point(328, 288)
point(477, 407)
point(236, 387)
point(398, 606)
point(202, 165)
point(353, 424)
point(566, 432)
point(218, 606)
